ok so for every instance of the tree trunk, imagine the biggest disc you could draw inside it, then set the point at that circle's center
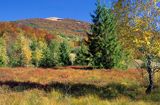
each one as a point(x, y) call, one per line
point(150, 74)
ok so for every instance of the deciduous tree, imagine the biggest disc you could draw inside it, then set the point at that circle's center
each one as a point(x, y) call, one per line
point(20, 54)
point(50, 55)
point(141, 20)
point(64, 54)
point(3, 53)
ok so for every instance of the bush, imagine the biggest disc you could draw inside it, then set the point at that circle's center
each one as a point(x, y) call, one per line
point(72, 58)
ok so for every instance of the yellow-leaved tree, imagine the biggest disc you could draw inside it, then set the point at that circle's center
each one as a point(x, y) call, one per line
point(37, 51)
point(26, 50)
point(3, 53)
point(139, 25)
point(21, 53)
point(147, 37)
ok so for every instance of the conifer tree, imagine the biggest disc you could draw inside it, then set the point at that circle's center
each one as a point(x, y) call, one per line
point(104, 48)
point(82, 55)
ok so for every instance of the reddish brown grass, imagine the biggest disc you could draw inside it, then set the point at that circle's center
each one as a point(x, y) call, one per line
point(68, 74)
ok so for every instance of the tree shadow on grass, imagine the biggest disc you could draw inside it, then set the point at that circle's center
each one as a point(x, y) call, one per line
point(109, 91)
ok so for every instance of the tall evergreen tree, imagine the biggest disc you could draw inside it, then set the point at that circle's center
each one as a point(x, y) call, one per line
point(104, 47)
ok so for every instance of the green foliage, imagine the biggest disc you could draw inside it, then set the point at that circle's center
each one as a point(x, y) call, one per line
point(82, 55)
point(50, 55)
point(47, 60)
point(54, 47)
point(20, 54)
point(123, 60)
point(64, 54)
point(37, 48)
point(3, 53)
point(104, 47)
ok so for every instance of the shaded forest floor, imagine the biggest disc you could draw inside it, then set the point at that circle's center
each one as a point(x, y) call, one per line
point(75, 86)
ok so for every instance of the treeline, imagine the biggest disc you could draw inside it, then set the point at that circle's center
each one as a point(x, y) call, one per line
point(24, 52)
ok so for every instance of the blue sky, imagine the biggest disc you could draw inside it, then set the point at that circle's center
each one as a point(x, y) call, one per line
point(11, 10)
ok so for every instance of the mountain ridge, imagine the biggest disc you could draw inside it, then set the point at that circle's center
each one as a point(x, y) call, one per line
point(44, 29)
point(61, 26)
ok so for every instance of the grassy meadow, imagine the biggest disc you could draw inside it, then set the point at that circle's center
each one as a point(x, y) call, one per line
point(75, 86)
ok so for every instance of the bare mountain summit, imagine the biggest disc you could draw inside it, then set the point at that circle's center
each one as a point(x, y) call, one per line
point(54, 18)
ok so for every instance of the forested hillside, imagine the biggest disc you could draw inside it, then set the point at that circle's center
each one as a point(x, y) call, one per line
point(12, 30)
point(60, 26)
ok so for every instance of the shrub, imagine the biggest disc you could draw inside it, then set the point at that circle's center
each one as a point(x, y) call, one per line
point(72, 58)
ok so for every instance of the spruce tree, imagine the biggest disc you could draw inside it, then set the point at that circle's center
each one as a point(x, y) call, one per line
point(95, 36)
point(82, 55)
point(104, 48)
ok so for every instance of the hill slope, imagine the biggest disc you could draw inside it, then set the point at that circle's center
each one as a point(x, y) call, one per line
point(10, 31)
point(58, 26)
point(45, 29)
